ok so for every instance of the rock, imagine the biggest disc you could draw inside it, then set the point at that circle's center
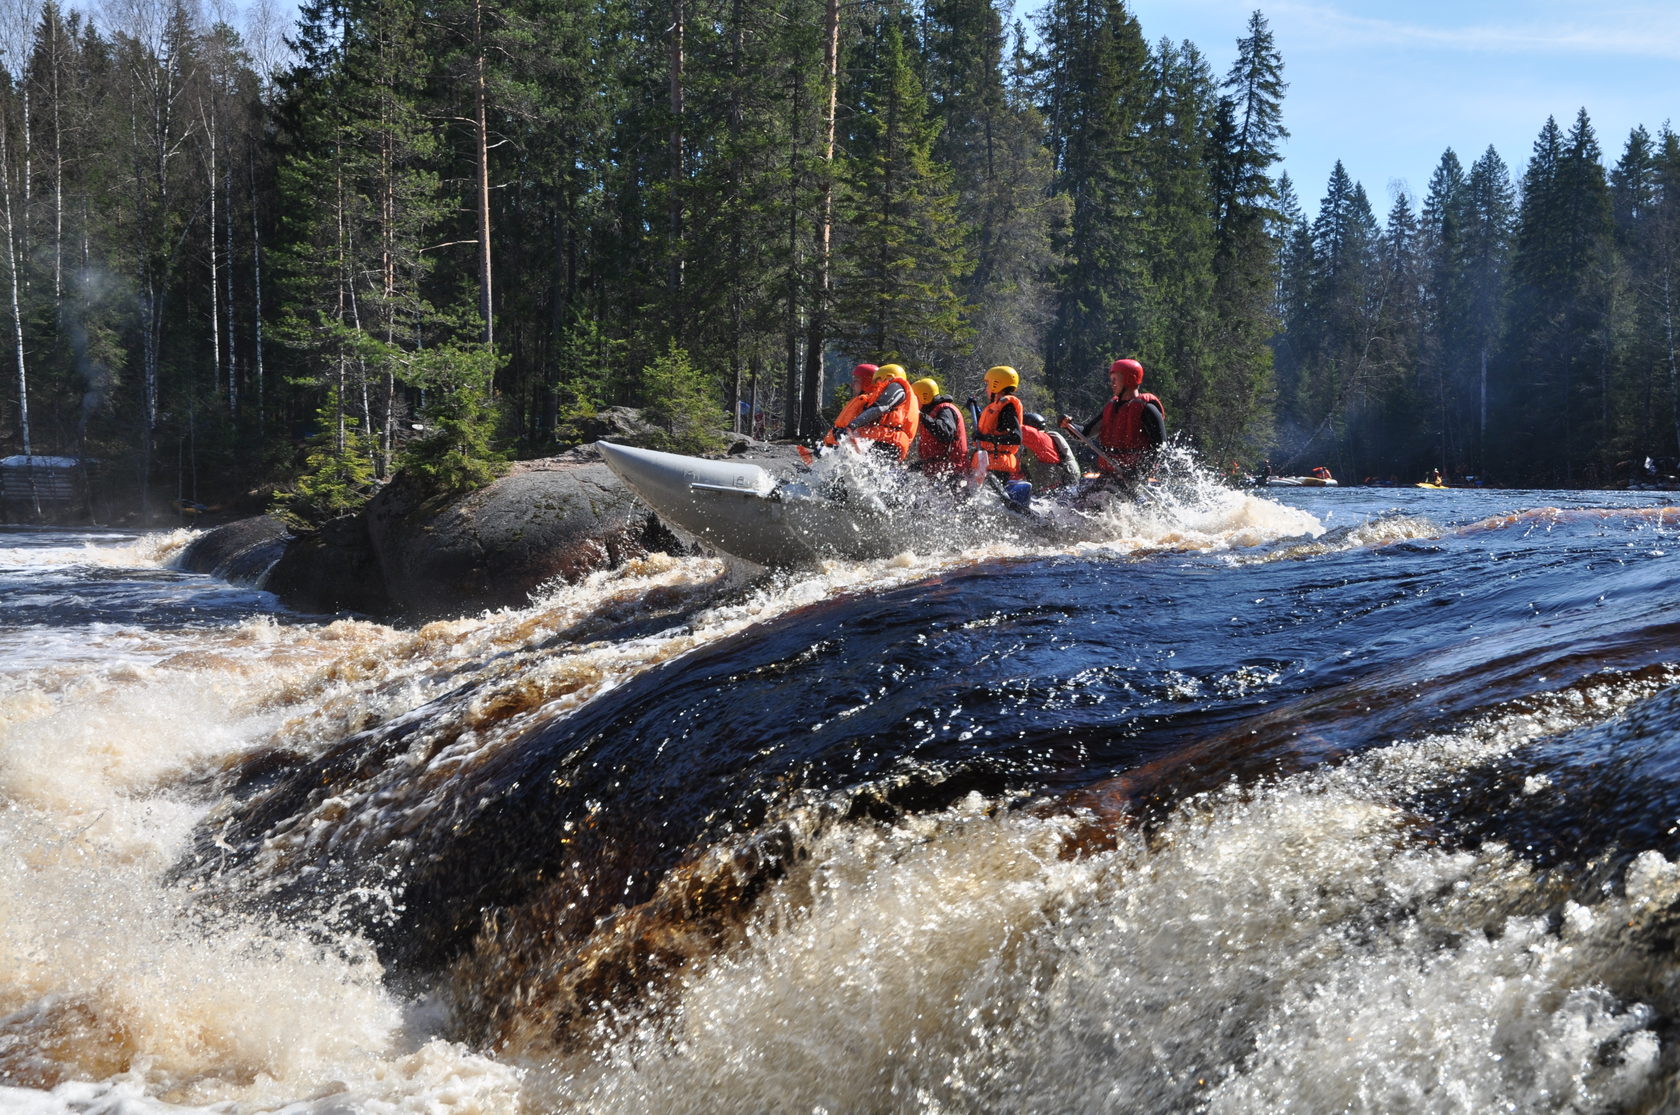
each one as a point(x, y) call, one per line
point(333, 569)
point(407, 558)
point(242, 551)
point(546, 519)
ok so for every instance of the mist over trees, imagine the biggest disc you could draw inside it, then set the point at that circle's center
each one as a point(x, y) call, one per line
point(433, 236)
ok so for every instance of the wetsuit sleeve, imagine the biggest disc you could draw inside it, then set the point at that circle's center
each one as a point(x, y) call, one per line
point(1089, 429)
point(891, 395)
point(1008, 430)
point(941, 422)
point(1154, 424)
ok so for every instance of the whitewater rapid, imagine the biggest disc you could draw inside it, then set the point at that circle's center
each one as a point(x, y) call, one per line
point(1310, 939)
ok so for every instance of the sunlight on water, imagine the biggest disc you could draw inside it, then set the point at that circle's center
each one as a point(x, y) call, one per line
point(1298, 946)
point(1301, 943)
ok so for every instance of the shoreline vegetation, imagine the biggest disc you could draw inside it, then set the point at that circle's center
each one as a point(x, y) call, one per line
point(272, 267)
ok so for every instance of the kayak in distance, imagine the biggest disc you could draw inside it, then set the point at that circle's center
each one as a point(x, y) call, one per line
point(1301, 482)
point(846, 504)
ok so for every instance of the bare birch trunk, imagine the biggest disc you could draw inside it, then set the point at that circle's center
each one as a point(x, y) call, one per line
point(17, 314)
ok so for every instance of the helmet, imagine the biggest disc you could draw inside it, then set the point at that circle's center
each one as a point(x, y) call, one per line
point(926, 390)
point(1001, 378)
point(1130, 369)
point(888, 371)
point(863, 375)
point(1033, 419)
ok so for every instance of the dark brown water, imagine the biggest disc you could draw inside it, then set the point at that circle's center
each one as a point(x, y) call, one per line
point(1318, 801)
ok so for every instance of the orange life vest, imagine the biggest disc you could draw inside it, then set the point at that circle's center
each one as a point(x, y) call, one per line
point(897, 427)
point(1005, 455)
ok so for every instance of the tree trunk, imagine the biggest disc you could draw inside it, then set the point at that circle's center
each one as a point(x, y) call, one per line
point(678, 156)
point(817, 338)
point(481, 124)
point(17, 314)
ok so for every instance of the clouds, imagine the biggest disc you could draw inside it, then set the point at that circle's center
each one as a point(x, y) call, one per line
point(1388, 89)
point(1554, 30)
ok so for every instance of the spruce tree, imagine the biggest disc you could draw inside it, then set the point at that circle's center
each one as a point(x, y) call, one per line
point(1001, 171)
point(902, 254)
point(1095, 91)
point(1556, 351)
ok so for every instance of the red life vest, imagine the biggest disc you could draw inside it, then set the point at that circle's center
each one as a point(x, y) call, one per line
point(1040, 445)
point(1120, 432)
point(939, 458)
point(1005, 455)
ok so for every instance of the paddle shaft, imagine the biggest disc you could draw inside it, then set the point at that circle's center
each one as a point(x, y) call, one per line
point(1095, 448)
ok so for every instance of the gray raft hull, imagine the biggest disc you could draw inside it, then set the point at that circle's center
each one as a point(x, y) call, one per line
point(744, 510)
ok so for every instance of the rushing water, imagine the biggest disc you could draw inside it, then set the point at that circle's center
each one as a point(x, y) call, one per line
point(1308, 800)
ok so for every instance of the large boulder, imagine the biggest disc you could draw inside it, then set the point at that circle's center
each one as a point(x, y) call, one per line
point(557, 518)
point(333, 569)
point(242, 551)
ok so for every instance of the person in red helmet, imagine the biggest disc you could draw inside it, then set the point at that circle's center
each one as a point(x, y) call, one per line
point(886, 416)
point(1128, 429)
point(863, 384)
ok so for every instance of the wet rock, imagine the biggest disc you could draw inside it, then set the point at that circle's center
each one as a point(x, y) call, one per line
point(242, 551)
point(333, 569)
point(558, 518)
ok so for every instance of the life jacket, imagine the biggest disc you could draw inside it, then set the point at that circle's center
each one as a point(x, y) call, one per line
point(937, 457)
point(854, 407)
point(1321, 472)
point(1048, 461)
point(1040, 444)
point(1005, 455)
point(897, 427)
point(1120, 432)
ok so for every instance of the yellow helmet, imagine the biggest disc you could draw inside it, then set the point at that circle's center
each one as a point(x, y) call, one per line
point(926, 390)
point(887, 371)
point(1001, 378)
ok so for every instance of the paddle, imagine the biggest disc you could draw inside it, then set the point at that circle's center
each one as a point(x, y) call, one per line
point(1094, 447)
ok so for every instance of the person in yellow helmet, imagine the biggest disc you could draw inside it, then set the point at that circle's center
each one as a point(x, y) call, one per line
point(998, 429)
point(942, 445)
point(887, 415)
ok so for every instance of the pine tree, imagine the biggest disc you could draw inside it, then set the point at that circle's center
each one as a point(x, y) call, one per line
point(1340, 323)
point(1001, 171)
point(1179, 340)
point(1556, 348)
point(903, 255)
point(1247, 205)
point(1480, 268)
point(1096, 90)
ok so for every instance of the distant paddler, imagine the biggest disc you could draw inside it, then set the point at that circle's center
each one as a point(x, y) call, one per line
point(885, 416)
point(1128, 430)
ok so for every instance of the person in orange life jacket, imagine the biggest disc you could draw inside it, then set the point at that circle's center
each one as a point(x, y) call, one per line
point(887, 415)
point(863, 380)
point(1046, 458)
point(998, 429)
point(942, 445)
point(1129, 428)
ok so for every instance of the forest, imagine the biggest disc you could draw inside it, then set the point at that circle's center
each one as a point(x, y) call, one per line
point(438, 236)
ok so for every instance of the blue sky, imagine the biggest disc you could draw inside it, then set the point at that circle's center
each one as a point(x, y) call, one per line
point(1387, 87)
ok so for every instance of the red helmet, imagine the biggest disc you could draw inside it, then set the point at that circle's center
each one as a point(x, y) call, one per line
point(863, 376)
point(1130, 370)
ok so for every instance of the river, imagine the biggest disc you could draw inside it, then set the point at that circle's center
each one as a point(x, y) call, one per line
point(1305, 799)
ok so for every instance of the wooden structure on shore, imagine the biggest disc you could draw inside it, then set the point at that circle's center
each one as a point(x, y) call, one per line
point(37, 489)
